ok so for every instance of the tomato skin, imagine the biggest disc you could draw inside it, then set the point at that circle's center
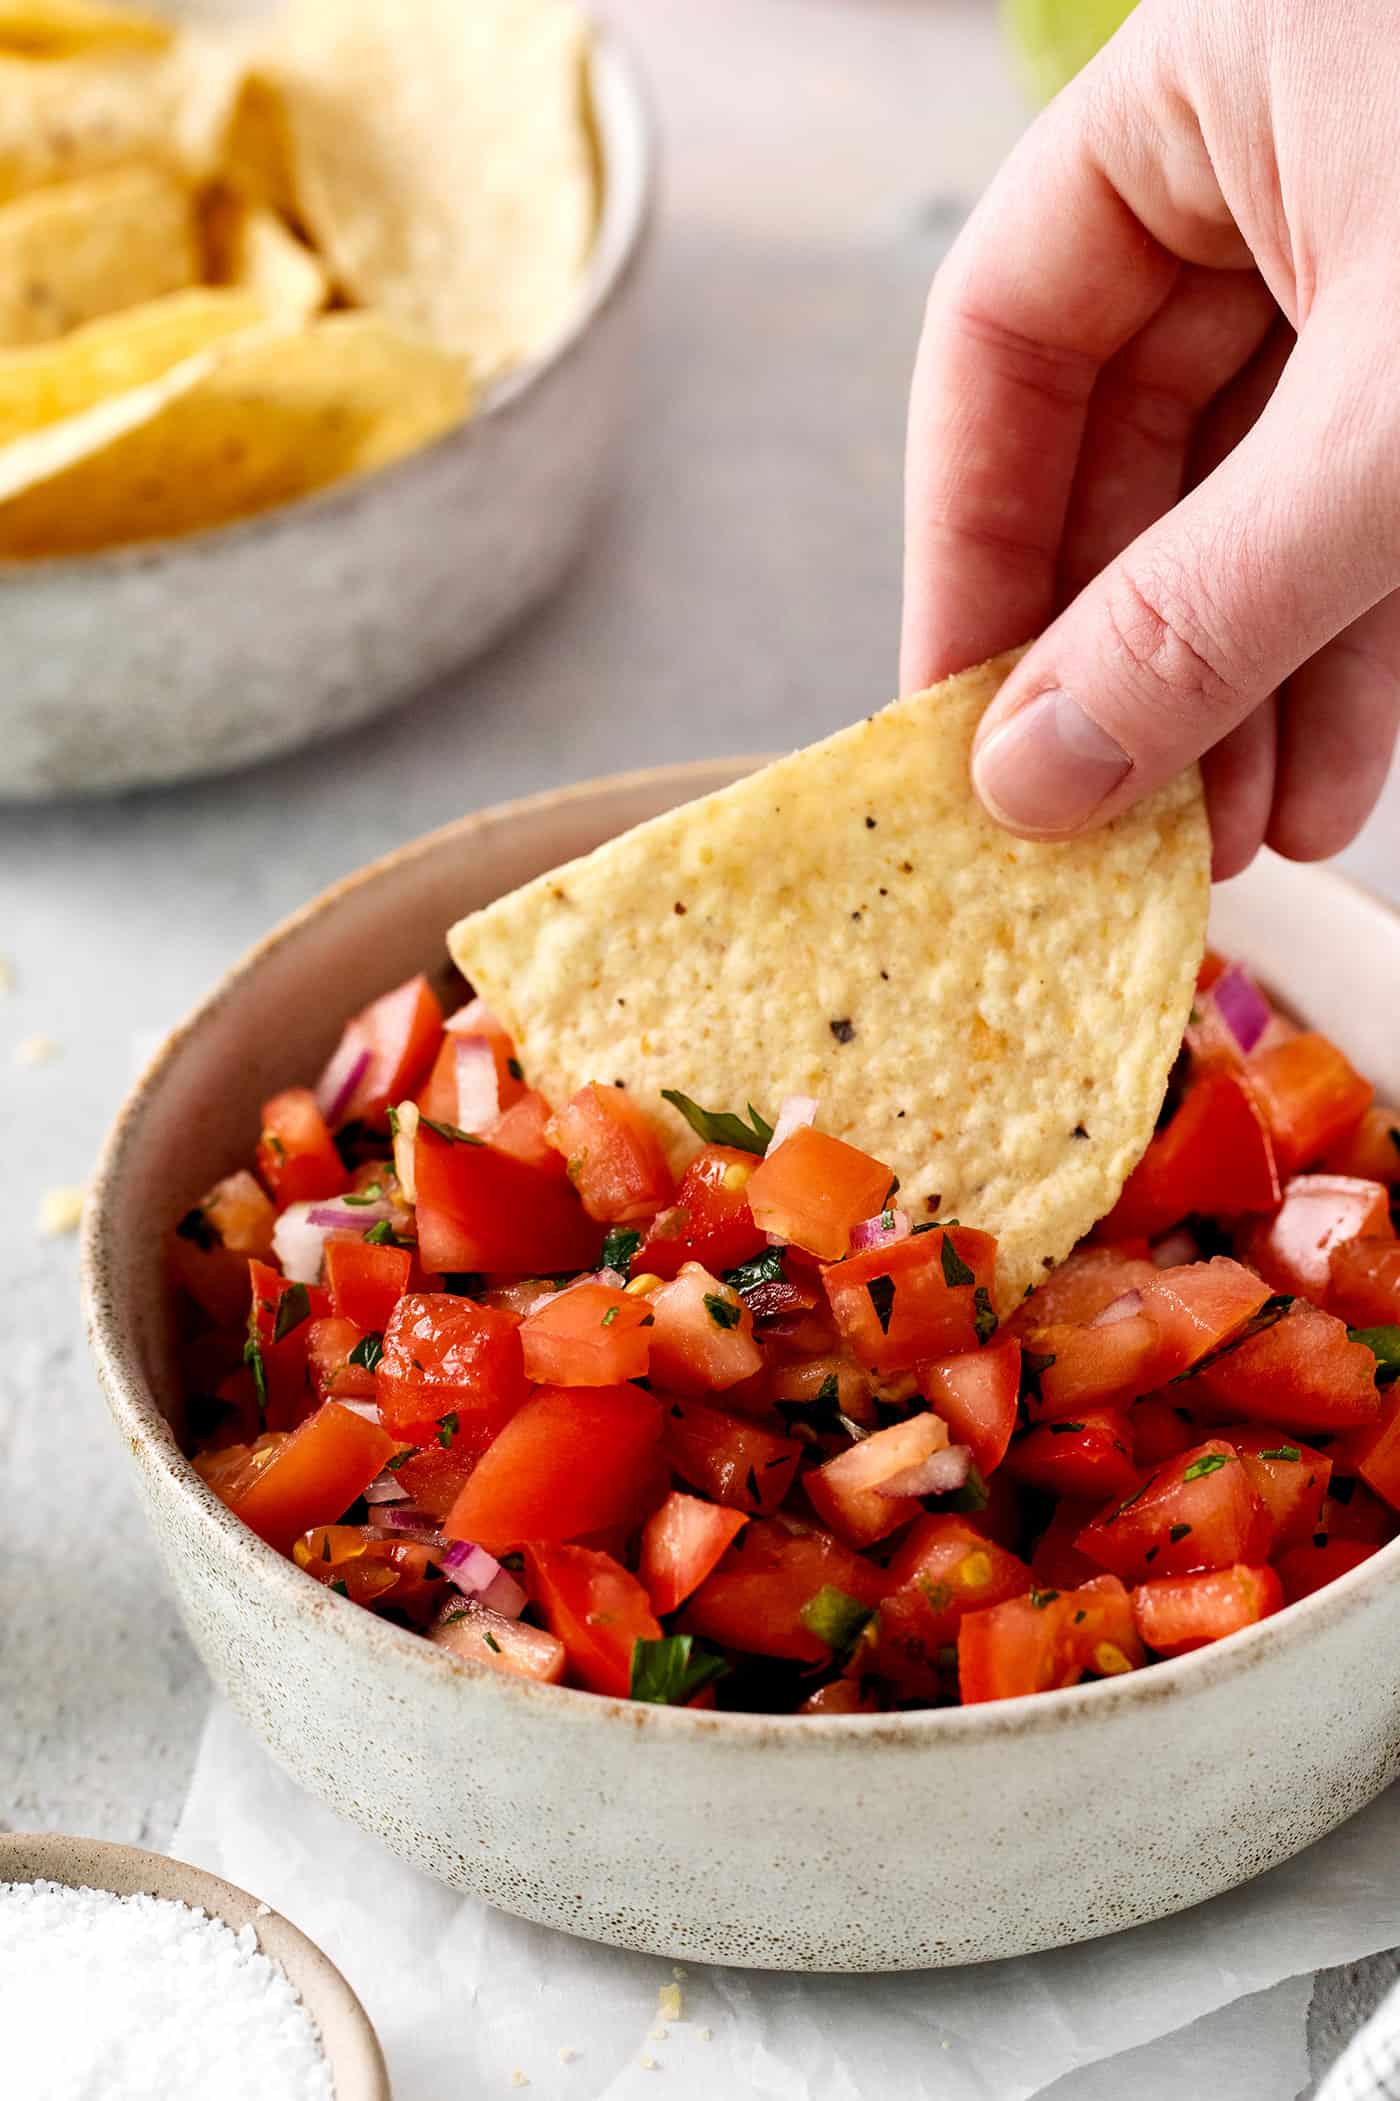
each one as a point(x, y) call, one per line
point(613, 1155)
point(814, 1189)
point(522, 1130)
point(1086, 1458)
point(1311, 1098)
point(315, 1475)
point(567, 1464)
point(1303, 1372)
point(329, 1371)
point(729, 1458)
point(1319, 1215)
point(682, 1541)
point(1372, 1150)
point(399, 1033)
point(588, 1335)
point(924, 1315)
point(481, 1209)
point(1044, 1640)
point(1215, 1157)
point(284, 1363)
point(1176, 1614)
point(1313, 1567)
point(702, 1341)
point(1374, 1453)
point(718, 1229)
point(296, 1155)
point(754, 1599)
point(1364, 1285)
point(1291, 1490)
point(595, 1608)
point(207, 1252)
point(1223, 1519)
point(528, 1652)
point(443, 1353)
point(1089, 1279)
point(976, 1395)
point(943, 1570)
point(847, 1493)
point(366, 1282)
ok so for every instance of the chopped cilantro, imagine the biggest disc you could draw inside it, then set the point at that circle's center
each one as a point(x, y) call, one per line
point(391, 1466)
point(937, 1596)
point(723, 1312)
point(766, 1268)
point(492, 1644)
point(292, 1309)
point(1208, 1463)
point(383, 1235)
point(452, 1132)
point(821, 1412)
point(984, 1320)
point(367, 1352)
point(722, 1126)
point(669, 1672)
point(450, 1618)
point(1178, 1533)
point(447, 1429)
point(341, 1589)
point(1282, 1451)
point(195, 1226)
point(1384, 1345)
point(370, 1195)
point(1041, 1598)
point(619, 1247)
point(610, 1316)
point(751, 1484)
point(834, 1617)
point(1063, 1429)
point(1271, 1311)
point(515, 1068)
point(881, 1290)
point(1033, 1367)
point(253, 1358)
point(955, 1270)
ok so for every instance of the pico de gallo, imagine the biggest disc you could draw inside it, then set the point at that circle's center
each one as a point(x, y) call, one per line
point(755, 1437)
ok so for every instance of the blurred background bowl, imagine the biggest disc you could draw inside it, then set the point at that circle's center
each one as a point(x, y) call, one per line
point(192, 656)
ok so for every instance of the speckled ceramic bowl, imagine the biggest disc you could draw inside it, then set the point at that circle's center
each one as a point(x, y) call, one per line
point(857, 1843)
point(189, 656)
point(350, 2044)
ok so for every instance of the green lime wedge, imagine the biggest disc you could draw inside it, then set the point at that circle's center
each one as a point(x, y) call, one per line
point(1052, 39)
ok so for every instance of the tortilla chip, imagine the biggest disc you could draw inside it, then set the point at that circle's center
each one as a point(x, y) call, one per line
point(55, 28)
point(256, 151)
point(443, 163)
point(82, 249)
point(994, 1018)
point(51, 381)
point(258, 421)
point(64, 117)
point(251, 247)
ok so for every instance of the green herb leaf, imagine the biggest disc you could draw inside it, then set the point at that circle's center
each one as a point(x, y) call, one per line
point(450, 1131)
point(984, 1315)
point(766, 1268)
point(1282, 1451)
point(371, 1195)
point(1384, 1345)
point(253, 1358)
point(491, 1642)
point(340, 1589)
point(821, 1412)
point(955, 1270)
point(1178, 1533)
point(834, 1617)
point(721, 1126)
point(1041, 1598)
point(1269, 1313)
point(1208, 1463)
point(723, 1312)
point(292, 1309)
point(382, 1234)
point(669, 1672)
point(619, 1247)
point(391, 1466)
point(610, 1316)
point(326, 1547)
point(367, 1352)
point(447, 1429)
point(1033, 1367)
point(881, 1290)
point(195, 1226)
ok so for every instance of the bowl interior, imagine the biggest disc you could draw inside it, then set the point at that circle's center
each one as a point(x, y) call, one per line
point(348, 2040)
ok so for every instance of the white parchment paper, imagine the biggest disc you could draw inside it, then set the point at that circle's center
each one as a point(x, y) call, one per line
point(465, 1998)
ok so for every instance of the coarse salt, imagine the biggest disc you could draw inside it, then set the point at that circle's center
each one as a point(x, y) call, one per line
point(172, 2002)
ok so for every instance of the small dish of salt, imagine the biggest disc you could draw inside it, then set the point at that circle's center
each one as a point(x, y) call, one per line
point(125, 1975)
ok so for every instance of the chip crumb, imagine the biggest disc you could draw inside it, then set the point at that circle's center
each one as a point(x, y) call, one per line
point(567, 2053)
point(706, 2035)
point(60, 1211)
point(670, 2003)
point(517, 2078)
point(678, 1969)
point(36, 1050)
point(7, 975)
point(648, 2062)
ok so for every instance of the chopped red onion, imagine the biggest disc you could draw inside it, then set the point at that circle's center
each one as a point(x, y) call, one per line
point(1123, 1307)
point(478, 1086)
point(343, 1217)
point(937, 1475)
point(335, 1089)
point(299, 1243)
point(794, 1113)
point(881, 1231)
point(1175, 1249)
point(385, 1487)
point(475, 1019)
point(369, 1410)
point(479, 1575)
point(405, 1135)
point(407, 1521)
point(1241, 1006)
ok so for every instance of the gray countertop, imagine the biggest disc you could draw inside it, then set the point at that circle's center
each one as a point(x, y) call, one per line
point(740, 592)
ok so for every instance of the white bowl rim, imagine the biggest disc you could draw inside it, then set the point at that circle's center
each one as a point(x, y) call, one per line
point(139, 1417)
point(623, 114)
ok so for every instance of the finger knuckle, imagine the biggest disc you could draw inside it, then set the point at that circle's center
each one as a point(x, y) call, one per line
point(1167, 641)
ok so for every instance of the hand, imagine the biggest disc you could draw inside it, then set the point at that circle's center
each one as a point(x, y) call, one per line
point(1157, 406)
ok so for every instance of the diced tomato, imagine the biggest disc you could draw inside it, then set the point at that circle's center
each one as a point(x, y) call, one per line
point(921, 1298)
point(682, 1542)
point(1372, 1150)
point(1215, 1156)
point(314, 1476)
point(522, 1130)
point(811, 1381)
point(371, 1570)
point(858, 1492)
point(595, 1608)
point(1163, 1328)
point(567, 1464)
point(1374, 1453)
point(332, 1377)
point(228, 1469)
point(1101, 1633)
point(942, 1570)
point(1311, 1097)
point(613, 1154)
point(728, 1457)
point(437, 1097)
point(1365, 1283)
point(976, 1393)
point(1290, 1479)
point(814, 1188)
point(841, 1696)
point(279, 1325)
point(1312, 1567)
point(1088, 1280)
point(366, 1282)
point(1319, 1214)
point(588, 1335)
point(717, 1226)
point(471, 1630)
point(1160, 1430)
point(297, 1158)
point(208, 1251)
point(756, 1598)
point(1057, 1563)
point(238, 1210)
point(1086, 1457)
point(1001, 1516)
point(1351, 1510)
point(448, 1355)
point(1198, 1511)
point(703, 1339)
point(1177, 1613)
point(482, 1209)
point(1043, 1640)
point(440, 1094)
point(433, 1475)
point(386, 1051)
point(1303, 1372)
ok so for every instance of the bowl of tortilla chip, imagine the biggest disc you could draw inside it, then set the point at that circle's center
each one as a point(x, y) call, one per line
point(860, 1842)
point(314, 342)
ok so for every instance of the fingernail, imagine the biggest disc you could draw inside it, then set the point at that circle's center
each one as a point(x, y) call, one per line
point(1049, 767)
